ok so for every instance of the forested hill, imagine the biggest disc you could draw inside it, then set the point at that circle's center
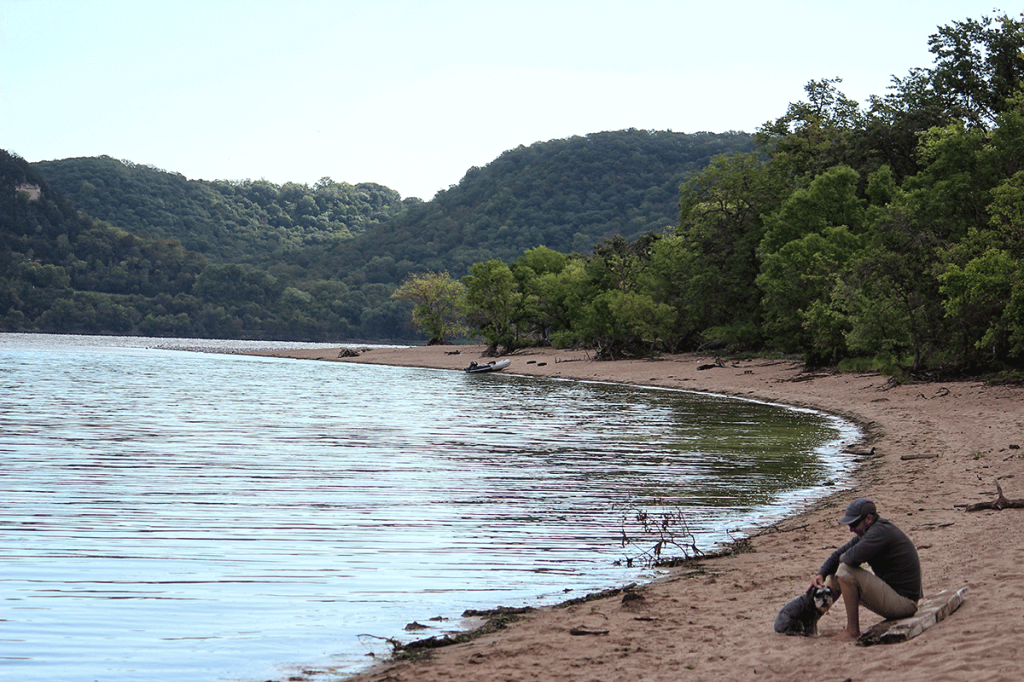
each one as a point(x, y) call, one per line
point(566, 194)
point(108, 246)
point(65, 272)
point(246, 221)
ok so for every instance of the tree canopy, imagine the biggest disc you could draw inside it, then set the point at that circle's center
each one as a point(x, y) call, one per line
point(246, 221)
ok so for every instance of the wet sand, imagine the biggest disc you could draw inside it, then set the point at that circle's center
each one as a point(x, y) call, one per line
point(936, 446)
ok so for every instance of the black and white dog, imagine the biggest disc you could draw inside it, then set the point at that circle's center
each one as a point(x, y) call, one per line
point(800, 616)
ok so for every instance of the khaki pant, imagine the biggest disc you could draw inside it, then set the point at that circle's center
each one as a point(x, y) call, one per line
point(876, 594)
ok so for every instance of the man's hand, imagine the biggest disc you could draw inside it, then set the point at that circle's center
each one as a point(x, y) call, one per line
point(818, 581)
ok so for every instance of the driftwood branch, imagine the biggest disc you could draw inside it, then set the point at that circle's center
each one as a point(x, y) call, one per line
point(999, 504)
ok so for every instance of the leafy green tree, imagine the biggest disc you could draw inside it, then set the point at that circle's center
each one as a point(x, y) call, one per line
point(951, 193)
point(679, 277)
point(541, 260)
point(535, 273)
point(709, 274)
point(435, 297)
point(807, 242)
point(830, 200)
point(813, 135)
point(892, 305)
point(237, 284)
point(46, 276)
point(984, 296)
point(797, 277)
point(621, 323)
point(617, 263)
point(494, 305)
point(961, 206)
point(978, 67)
point(894, 123)
point(559, 299)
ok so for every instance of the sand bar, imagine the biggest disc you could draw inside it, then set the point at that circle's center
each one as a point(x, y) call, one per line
point(937, 445)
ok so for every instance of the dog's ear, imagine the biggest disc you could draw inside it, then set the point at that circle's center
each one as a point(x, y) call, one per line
point(810, 590)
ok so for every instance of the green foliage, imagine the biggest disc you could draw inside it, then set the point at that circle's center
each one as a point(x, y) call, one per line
point(557, 298)
point(710, 271)
point(798, 278)
point(494, 305)
point(562, 195)
point(814, 135)
point(618, 323)
point(567, 195)
point(247, 221)
point(831, 200)
point(978, 66)
point(892, 234)
point(61, 271)
point(435, 297)
point(807, 242)
point(984, 296)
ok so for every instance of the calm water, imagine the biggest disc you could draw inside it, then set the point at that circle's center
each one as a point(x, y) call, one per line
point(178, 516)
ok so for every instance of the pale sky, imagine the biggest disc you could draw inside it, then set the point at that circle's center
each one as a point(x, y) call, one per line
point(411, 94)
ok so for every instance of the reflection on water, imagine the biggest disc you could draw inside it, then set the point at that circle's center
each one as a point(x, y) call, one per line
point(180, 516)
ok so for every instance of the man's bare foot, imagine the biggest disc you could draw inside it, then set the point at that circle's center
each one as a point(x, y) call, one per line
point(846, 636)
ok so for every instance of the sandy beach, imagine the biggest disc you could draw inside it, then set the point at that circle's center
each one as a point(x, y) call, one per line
point(936, 445)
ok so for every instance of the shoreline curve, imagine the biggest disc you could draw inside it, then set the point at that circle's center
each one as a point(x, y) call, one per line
point(935, 446)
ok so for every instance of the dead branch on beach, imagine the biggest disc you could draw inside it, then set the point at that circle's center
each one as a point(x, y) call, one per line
point(666, 529)
point(999, 504)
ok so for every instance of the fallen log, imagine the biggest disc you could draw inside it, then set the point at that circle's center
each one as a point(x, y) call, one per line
point(929, 612)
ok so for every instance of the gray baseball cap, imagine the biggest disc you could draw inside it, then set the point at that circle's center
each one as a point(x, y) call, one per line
point(857, 510)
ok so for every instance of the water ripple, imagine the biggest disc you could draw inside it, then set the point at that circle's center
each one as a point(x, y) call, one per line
point(177, 516)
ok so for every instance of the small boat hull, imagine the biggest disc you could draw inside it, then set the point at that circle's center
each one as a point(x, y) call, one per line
point(497, 366)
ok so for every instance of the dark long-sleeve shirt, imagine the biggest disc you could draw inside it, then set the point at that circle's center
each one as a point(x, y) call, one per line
point(890, 553)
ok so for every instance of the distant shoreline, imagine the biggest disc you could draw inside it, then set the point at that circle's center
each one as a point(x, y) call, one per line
point(936, 445)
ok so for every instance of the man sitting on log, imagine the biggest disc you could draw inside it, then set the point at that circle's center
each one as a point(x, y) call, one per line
point(893, 589)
